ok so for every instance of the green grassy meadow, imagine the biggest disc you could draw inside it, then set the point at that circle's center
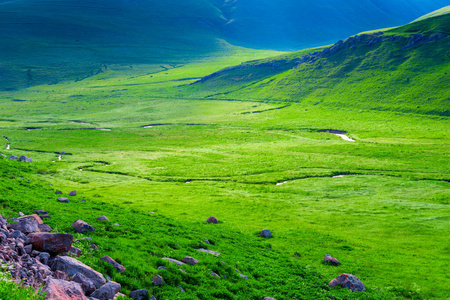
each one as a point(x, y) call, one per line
point(254, 158)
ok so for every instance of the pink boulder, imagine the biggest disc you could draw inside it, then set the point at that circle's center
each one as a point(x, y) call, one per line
point(58, 289)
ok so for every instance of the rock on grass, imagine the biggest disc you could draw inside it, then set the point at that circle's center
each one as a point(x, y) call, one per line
point(115, 264)
point(348, 281)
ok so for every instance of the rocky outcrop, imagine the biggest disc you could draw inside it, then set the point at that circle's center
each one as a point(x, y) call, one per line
point(348, 281)
point(73, 193)
point(31, 259)
point(115, 264)
point(418, 39)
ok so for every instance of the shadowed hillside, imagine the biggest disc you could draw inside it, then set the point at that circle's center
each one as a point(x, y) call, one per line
point(49, 41)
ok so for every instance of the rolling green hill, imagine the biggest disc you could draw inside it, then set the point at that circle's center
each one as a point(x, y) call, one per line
point(391, 70)
point(49, 41)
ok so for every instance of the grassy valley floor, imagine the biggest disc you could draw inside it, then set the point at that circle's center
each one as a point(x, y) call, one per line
point(379, 204)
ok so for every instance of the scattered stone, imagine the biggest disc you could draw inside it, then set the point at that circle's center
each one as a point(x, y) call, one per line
point(348, 281)
point(265, 233)
point(190, 260)
point(115, 264)
point(13, 157)
point(153, 298)
point(57, 289)
point(331, 260)
point(46, 216)
point(107, 291)
point(94, 247)
point(40, 212)
point(73, 193)
point(44, 228)
point(21, 214)
point(157, 280)
point(206, 242)
point(81, 226)
point(116, 224)
point(71, 266)
point(63, 200)
point(58, 192)
point(162, 268)
point(86, 284)
point(25, 159)
point(102, 218)
point(212, 220)
point(215, 274)
point(174, 261)
point(3, 155)
point(243, 276)
point(209, 251)
point(181, 288)
point(74, 251)
point(269, 298)
point(139, 294)
point(53, 243)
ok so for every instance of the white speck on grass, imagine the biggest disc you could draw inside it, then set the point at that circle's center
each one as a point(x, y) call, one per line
point(344, 137)
point(281, 183)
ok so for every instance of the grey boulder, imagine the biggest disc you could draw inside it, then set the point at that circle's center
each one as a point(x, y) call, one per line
point(107, 291)
point(139, 295)
point(25, 159)
point(348, 281)
point(71, 266)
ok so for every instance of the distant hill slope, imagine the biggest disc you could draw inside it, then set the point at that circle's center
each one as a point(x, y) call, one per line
point(294, 24)
point(45, 41)
point(403, 69)
point(439, 12)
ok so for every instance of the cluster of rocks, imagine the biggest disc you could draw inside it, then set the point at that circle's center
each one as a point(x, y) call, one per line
point(21, 158)
point(65, 199)
point(345, 280)
point(34, 256)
